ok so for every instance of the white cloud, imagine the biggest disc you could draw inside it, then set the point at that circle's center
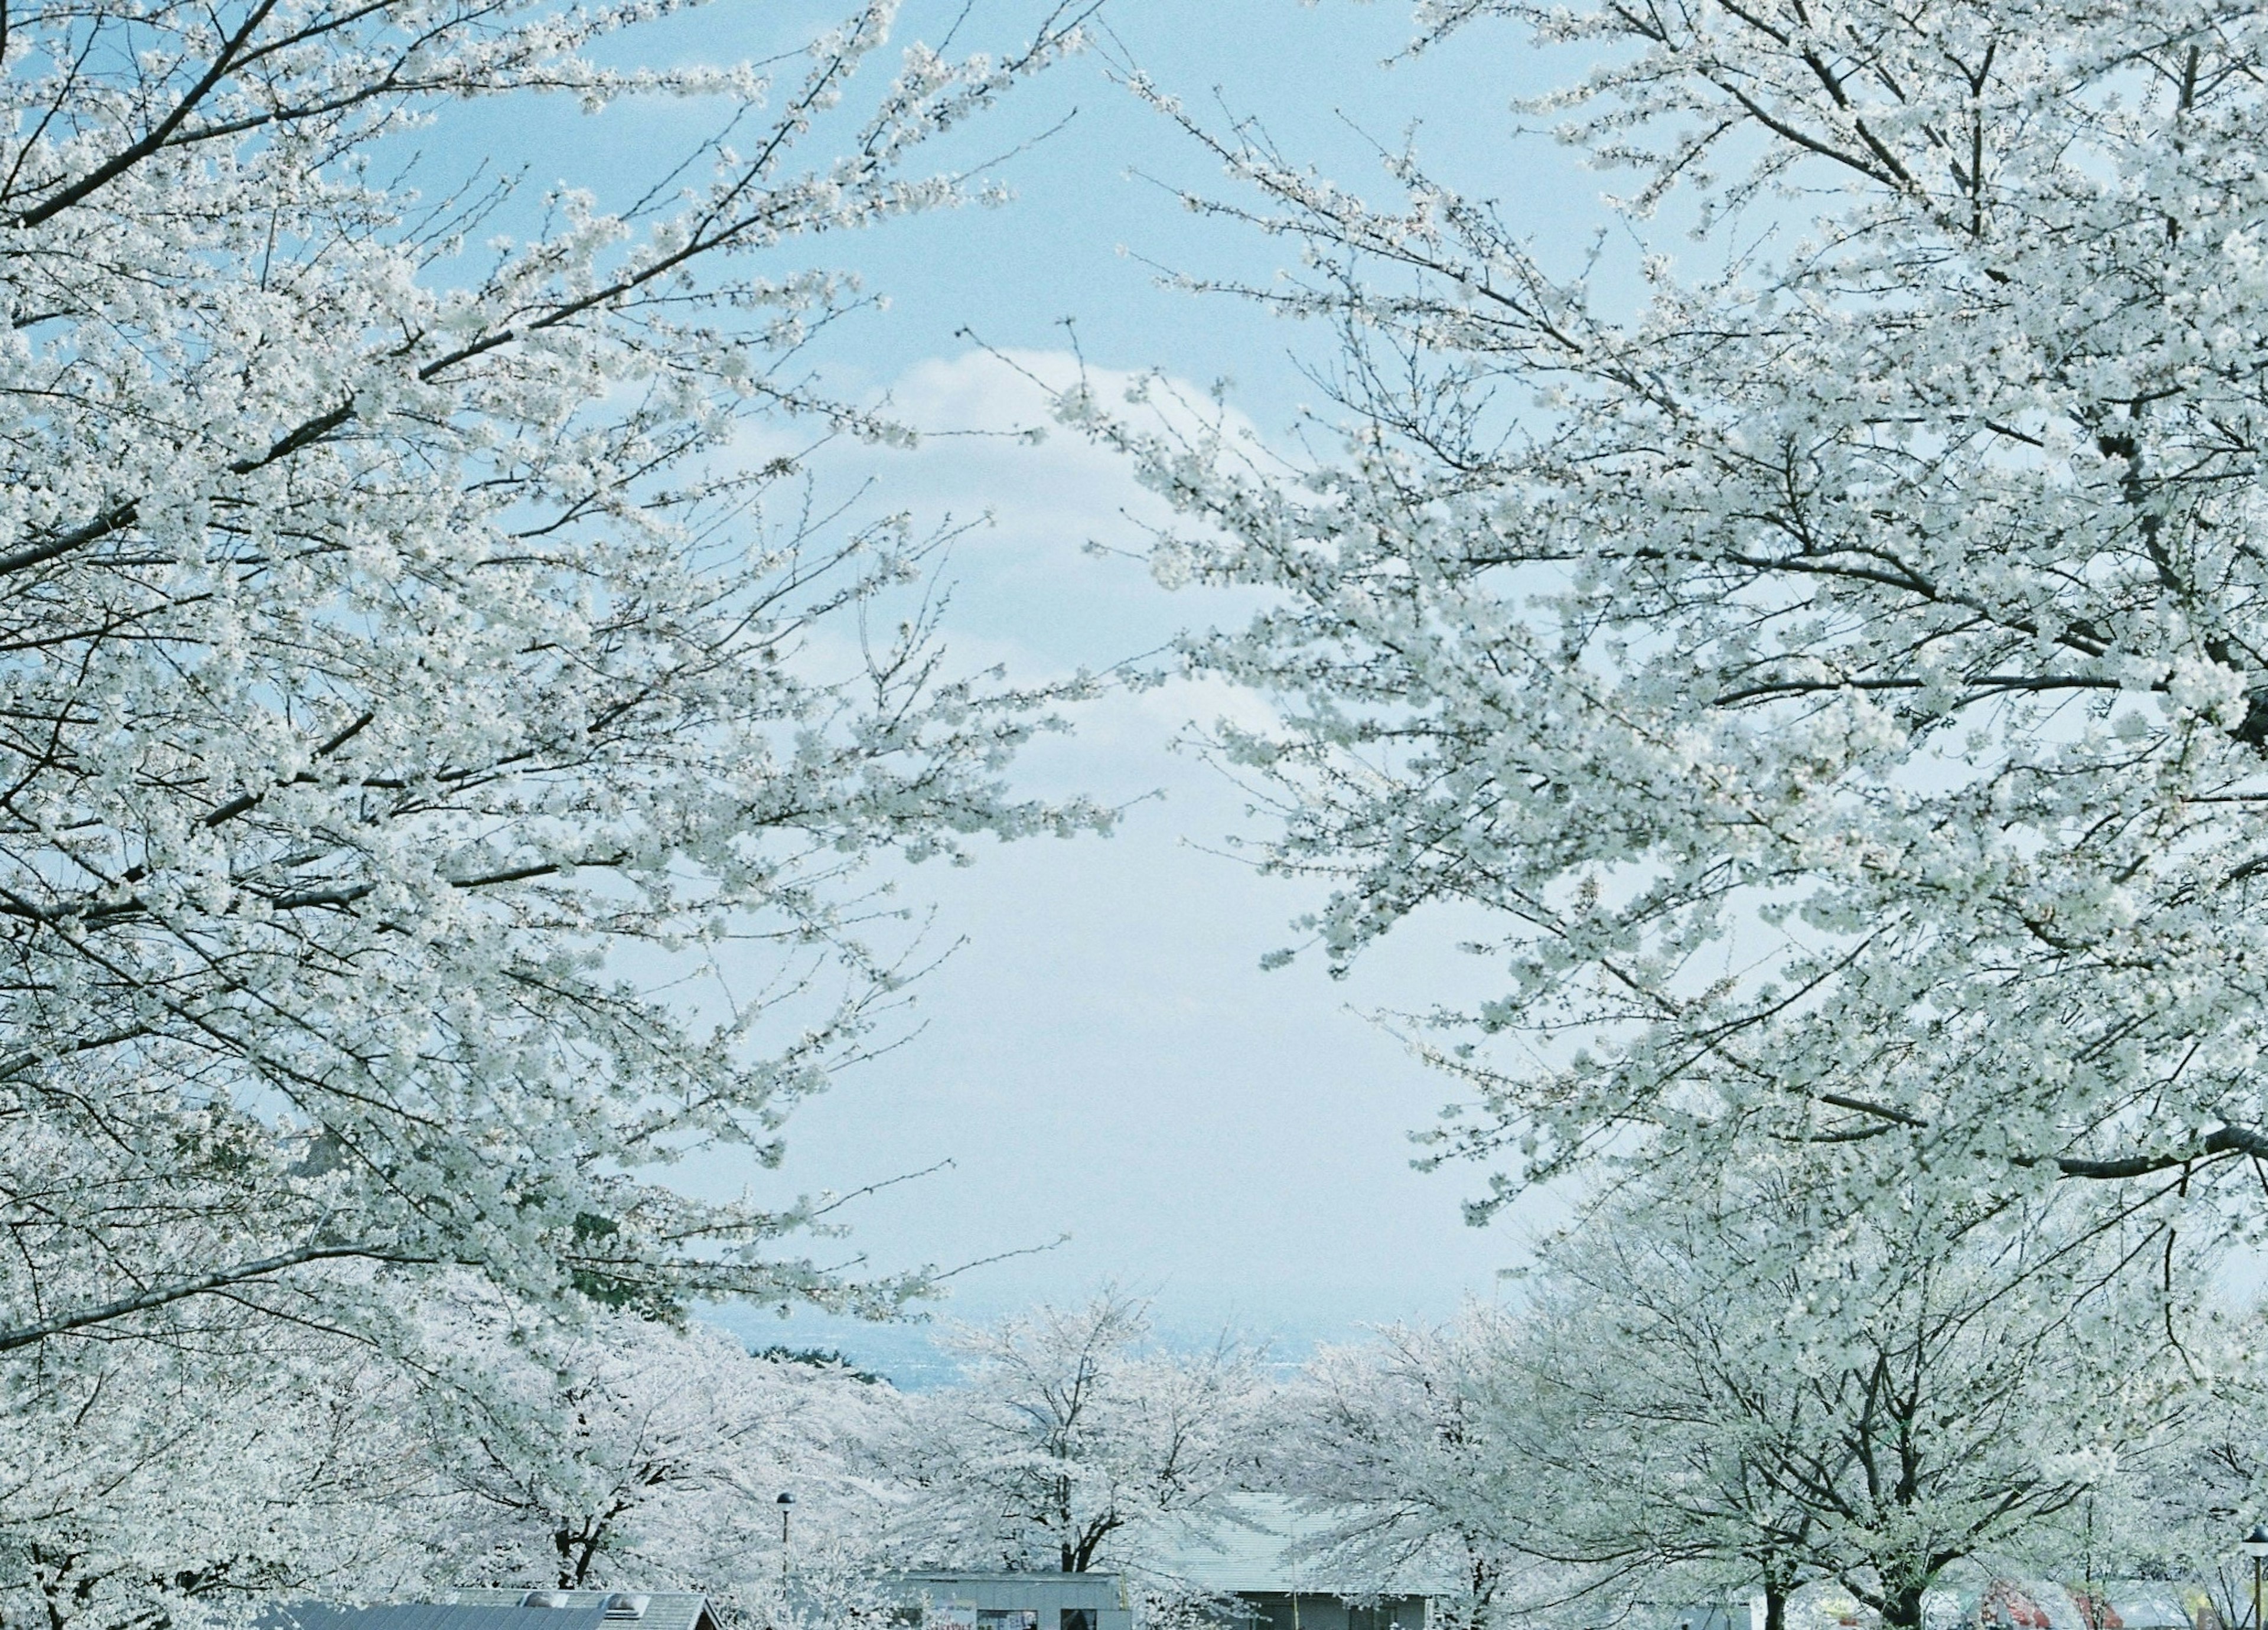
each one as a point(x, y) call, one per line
point(1028, 595)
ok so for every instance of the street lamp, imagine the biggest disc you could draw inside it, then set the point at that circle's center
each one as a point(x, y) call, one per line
point(2256, 1547)
point(786, 1502)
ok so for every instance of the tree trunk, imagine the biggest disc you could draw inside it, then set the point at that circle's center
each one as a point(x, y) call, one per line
point(1902, 1607)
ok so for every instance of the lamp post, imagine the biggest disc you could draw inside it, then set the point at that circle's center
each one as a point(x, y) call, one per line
point(787, 1503)
point(2256, 1547)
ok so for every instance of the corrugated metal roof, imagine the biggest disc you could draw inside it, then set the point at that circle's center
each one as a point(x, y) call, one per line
point(432, 1615)
point(495, 1609)
point(665, 1610)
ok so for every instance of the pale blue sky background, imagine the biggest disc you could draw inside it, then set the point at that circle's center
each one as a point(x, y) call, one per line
point(1103, 1057)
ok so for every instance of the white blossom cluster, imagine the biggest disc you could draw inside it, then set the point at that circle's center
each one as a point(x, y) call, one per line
point(1072, 1442)
point(399, 665)
point(1828, 660)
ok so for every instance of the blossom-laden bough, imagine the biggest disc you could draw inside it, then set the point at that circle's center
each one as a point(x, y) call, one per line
point(1831, 666)
point(438, 761)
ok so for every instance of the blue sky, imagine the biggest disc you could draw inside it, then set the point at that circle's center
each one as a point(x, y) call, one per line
point(1103, 1057)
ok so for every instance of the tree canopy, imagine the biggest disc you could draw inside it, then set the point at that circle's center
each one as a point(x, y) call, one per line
point(1824, 652)
point(408, 684)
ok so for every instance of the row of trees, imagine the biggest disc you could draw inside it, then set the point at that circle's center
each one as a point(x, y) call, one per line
point(439, 774)
point(621, 1450)
point(1692, 1399)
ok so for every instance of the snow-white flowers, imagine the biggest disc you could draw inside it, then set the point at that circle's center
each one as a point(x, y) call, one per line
point(1847, 686)
point(407, 694)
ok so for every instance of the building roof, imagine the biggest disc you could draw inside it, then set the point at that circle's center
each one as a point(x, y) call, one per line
point(425, 1616)
point(926, 1575)
point(504, 1610)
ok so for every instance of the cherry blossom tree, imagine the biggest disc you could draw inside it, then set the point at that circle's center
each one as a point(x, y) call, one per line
point(623, 1452)
point(439, 759)
point(2186, 1517)
point(1071, 1442)
point(507, 1448)
point(1821, 650)
point(145, 1481)
point(1754, 1391)
point(1397, 1442)
point(444, 746)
